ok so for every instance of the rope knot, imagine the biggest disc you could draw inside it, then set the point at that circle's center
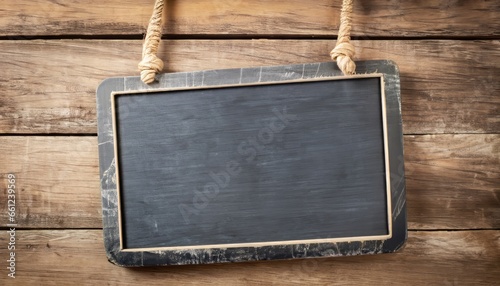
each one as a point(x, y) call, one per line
point(344, 51)
point(343, 54)
point(149, 67)
point(151, 64)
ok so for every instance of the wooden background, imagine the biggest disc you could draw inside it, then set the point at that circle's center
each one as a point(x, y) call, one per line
point(53, 55)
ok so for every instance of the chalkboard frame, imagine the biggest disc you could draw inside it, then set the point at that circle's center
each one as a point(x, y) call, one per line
point(393, 150)
point(115, 95)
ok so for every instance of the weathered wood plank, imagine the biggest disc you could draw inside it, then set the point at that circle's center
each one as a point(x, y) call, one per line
point(379, 18)
point(57, 181)
point(453, 176)
point(452, 181)
point(49, 86)
point(430, 258)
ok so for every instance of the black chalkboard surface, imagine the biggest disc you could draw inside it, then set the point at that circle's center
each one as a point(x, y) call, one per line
point(252, 164)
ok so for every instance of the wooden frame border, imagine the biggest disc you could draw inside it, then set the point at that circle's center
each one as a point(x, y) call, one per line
point(393, 153)
point(114, 95)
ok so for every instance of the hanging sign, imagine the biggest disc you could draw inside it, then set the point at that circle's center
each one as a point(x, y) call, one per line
point(252, 164)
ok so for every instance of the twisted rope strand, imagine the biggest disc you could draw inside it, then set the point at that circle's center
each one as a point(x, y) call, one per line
point(151, 64)
point(344, 51)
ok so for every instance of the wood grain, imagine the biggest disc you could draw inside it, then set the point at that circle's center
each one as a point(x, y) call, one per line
point(453, 176)
point(57, 181)
point(49, 86)
point(376, 18)
point(452, 181)
point(437, 258)
point(448, 86)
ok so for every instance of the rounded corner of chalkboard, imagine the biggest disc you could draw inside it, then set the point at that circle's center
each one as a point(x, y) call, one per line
point(107, 83)
point(113, 258)
point(398, 241)
point(394, 65)
point(402, 245)
point(117, 260)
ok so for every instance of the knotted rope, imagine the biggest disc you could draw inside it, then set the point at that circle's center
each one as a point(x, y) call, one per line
point(344, 50)
point(151, 64)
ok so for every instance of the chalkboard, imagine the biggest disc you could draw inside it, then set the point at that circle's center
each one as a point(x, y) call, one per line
point(251, 164)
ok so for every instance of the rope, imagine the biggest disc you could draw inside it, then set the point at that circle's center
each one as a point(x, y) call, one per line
point(151, 64)
point(344, 50)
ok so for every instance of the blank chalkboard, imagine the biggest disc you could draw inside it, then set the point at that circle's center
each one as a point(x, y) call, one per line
point(247, 164)
point(250, 164)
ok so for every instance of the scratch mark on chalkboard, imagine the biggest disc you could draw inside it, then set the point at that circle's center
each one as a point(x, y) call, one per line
point(381, 246)
point(156, 226)
point(110, 201)
point(102, 143)
point(399, 206)
point(317, 71)
point(108, 177)
point(303, 70)
point(260, 74)
point(124, 84)
point(241, 75)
